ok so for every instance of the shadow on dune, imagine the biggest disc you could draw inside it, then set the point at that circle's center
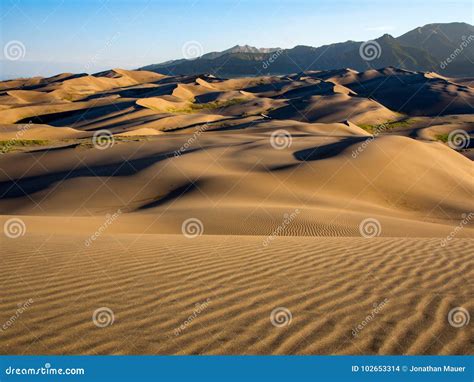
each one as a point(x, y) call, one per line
point(322, 88)
point(135, 92)
point(283, 167)
point(109, 123)
point(173, 194)
point(240, 126)
point(27, 185)
point(434, 96)
point(72, 117)
point(59, 148)
point(327, 151)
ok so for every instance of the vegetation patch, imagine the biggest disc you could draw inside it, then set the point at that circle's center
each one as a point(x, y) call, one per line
point(381, 127)
point(11, 144)
point(442, 137)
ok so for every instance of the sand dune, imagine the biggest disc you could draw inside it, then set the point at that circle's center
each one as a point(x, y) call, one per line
point(322, 193)
point(309, 175)
point(31, 96)
point(370, 97)
point(416, 93)
point(37, 131)
point(335, 108)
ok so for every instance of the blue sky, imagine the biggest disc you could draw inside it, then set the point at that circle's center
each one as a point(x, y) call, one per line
point(93, 35)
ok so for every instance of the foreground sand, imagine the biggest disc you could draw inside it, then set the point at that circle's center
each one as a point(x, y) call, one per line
point(230, 285)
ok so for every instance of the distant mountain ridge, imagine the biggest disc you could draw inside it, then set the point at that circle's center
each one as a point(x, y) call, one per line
point(239, 49)
point(447, 49)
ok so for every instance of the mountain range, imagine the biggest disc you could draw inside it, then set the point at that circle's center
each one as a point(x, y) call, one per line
point(447, 49)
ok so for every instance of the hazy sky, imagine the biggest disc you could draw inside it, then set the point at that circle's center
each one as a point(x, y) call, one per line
point(93, 35)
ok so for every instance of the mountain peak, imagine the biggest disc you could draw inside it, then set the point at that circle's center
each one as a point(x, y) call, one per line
point(238, 49)
point(249, 49)
point(386, 37)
